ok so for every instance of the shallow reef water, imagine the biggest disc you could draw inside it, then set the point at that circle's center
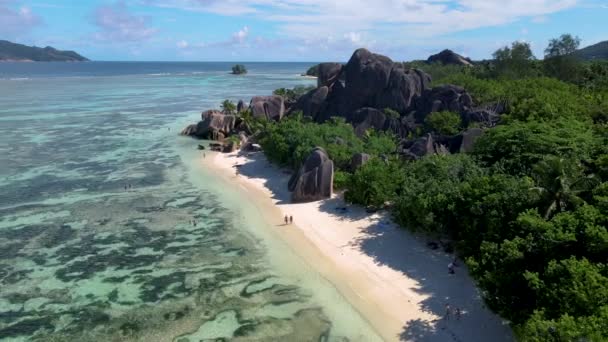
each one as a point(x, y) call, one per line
point(103, 237)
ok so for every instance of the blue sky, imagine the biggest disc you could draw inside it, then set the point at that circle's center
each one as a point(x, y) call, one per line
point(295, 30)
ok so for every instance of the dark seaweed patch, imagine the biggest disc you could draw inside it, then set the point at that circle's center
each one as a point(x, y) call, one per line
point(129, 328)
point(15, 277)
point(27, 327)
point(115, 280)
point(153, 288)
point(245, 330)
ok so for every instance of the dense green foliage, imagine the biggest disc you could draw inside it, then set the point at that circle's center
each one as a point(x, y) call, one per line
point(515, 61)
point(290, 141)
point(527, 210)
point(291, 95)
point(375, 183)
point(446, 123)
point(239, 69)
point(228, 107)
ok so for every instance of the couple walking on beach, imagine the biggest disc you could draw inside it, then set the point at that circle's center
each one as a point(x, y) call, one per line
point(288, 219)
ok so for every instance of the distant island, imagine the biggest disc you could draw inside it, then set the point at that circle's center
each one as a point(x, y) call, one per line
point(22, 53)
point(239, 69)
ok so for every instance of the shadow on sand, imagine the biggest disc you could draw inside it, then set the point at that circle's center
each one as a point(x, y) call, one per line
point(388, 245)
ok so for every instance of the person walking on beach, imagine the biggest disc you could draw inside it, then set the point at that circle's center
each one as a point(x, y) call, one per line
point(286, 220)
point(290, 219)
point(448, 311)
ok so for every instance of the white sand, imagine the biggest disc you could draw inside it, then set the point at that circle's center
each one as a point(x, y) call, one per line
point(387, 274)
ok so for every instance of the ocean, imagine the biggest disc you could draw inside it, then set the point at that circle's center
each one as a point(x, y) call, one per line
point(110, 230)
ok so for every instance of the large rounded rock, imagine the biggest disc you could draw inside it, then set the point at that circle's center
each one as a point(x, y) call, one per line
point(328, 74)
point(314, 180)
point(443, 98)
point(449, 57)
point(404, 86)
point(269, 107)
point(208, 113)
point(215, 125)
point(374, 80)
point(189, 130)
point(366, 75)
point(367, 118)
point(311, 103)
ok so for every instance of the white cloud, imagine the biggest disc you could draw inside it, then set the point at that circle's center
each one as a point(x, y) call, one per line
point(16, 21)
point(182, 44)
point(241, 36)
point(417, 18)
point(117, 24)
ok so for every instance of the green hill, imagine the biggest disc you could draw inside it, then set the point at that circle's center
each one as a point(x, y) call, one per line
point(594, 52)
point(18, 52)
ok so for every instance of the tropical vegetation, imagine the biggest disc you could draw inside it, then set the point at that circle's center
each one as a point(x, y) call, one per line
point(527, 209)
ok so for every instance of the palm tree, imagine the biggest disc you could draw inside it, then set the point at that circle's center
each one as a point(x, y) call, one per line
point(228, 107)
point(561, 181)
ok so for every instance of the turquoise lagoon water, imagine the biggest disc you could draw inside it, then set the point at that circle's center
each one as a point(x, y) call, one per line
point(170, 258)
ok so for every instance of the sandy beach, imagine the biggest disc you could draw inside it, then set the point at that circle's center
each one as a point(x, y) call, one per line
point(390, 276)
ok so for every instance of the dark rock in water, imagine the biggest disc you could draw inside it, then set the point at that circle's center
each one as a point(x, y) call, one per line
point(358, 160)
point(201, 147)
point(443, 98)
point(449, 57)
point(468, 139)
point(215, 125)
point(241, 107)
point(269, 107)
point(190, 130)
point(328, 74)
point(314, 180)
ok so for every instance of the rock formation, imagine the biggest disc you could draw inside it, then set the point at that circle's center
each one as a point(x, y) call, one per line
point(241, 107)
point(328, 74)
point(449, 57)
point(269, 107)
point(314, 180)
point(443, 98)
point(370, 81)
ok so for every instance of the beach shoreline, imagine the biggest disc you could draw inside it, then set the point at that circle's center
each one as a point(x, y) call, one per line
point(388, 275)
